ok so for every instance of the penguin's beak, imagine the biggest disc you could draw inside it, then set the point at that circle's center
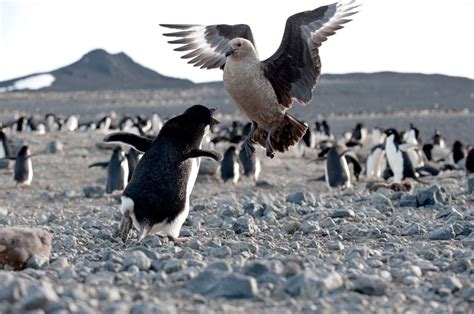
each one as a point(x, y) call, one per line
point(230, 52)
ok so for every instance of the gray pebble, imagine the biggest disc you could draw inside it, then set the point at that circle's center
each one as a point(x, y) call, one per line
point(443, 233)
point(138, 259)
point(370, 285)
point(94, 191)
point(37, 262)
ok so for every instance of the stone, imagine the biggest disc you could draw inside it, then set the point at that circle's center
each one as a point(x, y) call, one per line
point(310, 284)
point(137, 258)
point(382, 202)
point(3, 211)
point(221, 252)
point(18, 244)
point(39, 296)
point(37, 262)
point(12, 288)
point(413, 229)
point(217, 284)
point(245, 224)
point(443, 233)
point(408, 200)
point(94, 191)
point(296, 198)
point(452, 283)
point(291, 227)
point(370, 285)
point(5, 164)
point(430, 196)
point(343, 213)
point(54, 147)
point(335, 245)
point(327, 223)
point(470, 185)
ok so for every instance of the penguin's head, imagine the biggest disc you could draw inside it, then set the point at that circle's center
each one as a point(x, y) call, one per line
point(389, 132)
point(23, 150)
point(201, 114)
point(457, 145)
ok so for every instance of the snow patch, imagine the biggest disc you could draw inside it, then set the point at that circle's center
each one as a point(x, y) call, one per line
point(33, 82)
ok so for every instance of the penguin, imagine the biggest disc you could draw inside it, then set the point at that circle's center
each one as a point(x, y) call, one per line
point(230, 168)
point(104, 124)
point(438, 139)
point(336, 170)
point(21, 124)
point(23, 174)
point(52, 123)
point(117, 171)
point(252, 166)
point(375, 162)
point(470, 161)
point(458, 152)
point(71, 124)
point(326, 128)
point(397, 158)
point(133, 157)
point(5, 148)
point(157, 197)
point(360, 133)
point(353, 161)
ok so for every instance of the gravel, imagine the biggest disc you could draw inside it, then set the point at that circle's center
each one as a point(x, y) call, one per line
point(290, 246)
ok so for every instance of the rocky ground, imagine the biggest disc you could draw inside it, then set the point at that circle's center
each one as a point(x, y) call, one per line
point(285, 246)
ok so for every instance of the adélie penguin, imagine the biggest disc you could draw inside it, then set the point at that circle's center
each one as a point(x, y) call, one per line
point(336, 169)
point(5, 149)
point(251, 165)
point(157, 197)
point(23, 173)
point(397, 157)
point(117, 171)
point(230, 168)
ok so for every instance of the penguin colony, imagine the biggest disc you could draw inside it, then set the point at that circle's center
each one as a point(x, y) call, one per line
point(139, 173)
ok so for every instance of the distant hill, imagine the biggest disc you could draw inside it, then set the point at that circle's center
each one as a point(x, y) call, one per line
point(97, 70)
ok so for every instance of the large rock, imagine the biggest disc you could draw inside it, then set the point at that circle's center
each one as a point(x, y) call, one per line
point(370, 285)
point(429, 197)
point(218, 284)
point(208, 167)
point(309, 284)
point(18, 244)
point(54, 147)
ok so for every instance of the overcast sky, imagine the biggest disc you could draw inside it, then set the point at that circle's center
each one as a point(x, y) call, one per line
point(428, 36)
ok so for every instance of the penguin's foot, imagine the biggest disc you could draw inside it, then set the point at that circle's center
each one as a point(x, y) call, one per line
point(268, 142)
point(125, 226)
point(179, 239)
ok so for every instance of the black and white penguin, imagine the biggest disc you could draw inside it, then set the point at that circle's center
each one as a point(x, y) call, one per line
point(252, 166)
point(353, 162)
point(117, 171)
point(21, 124)
point(104, 124)
point(375, 163)
point(133, 157)
point(70, 124)
point(325, 128)
point(336, 169)
point(458, 153)
point(5, 148)
point(470, 161)
point(438, 139)
point(397, 158)
point(157, 197)
point(23, 174)
point(52, 123)
point(230, 168)
point(359, 133)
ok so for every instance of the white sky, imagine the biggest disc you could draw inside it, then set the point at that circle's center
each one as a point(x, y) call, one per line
point(428, 36)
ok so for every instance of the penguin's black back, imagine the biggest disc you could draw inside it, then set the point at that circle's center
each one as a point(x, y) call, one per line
point(21, 167)
point(159, 185)
point(470, 161)
point(227, 164)
point(248, 163)
point(132, 159)
point(5, 143)
point(115, 172)
point(408, 169)
point(337, 175)
point(458, 152)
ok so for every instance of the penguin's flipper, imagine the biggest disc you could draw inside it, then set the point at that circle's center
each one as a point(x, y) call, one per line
point(427, 171)
point(104, 164)
point(8, 158)
point(204, 153)
point(138, 142)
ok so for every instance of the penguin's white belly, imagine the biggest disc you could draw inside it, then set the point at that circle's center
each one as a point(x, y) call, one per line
point(29, 166)
point(2, 150)
point(236, 172)
point(258, 168)
point(395, 160)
